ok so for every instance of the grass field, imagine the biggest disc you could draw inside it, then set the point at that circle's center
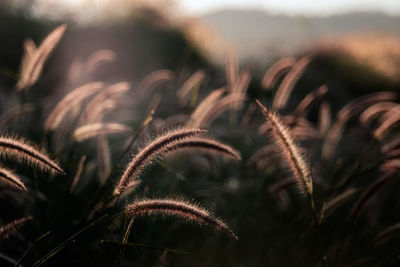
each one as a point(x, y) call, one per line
point(185, 163)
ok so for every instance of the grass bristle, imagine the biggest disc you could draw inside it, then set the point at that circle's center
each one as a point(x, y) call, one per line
point(23, 151)
point(181, 209)
point(10, 178)
point(205, 144)
point(290, 150)
point(144, 156)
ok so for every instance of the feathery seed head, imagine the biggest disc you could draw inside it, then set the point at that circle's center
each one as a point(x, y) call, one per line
point(205, 144)
point(22, 150)
point(181, 209)
point(291, 151)
point(10, 178)
point(144, 156)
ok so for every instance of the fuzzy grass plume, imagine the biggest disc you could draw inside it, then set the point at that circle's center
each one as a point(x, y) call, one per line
point(181, 209)
point(96, 107)
point(34, 59)
point(207, 145)
point(307, 102)
point(91, 130)
point(202, 109)
point(21, 150)
point(292, 153)
point(275, 72)
point(144, 156)
point(10, 178)
point(193, 82)
point(153, 80)
point(69, 102)
point(286, 87)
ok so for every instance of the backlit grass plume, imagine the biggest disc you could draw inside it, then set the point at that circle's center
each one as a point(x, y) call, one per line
point(291, 152)
point(96, 107)
point(70, 102)
point(181, 209)
point(307, 102)
point(193, 82)
point(34, 59)
point(10, 178)
point(11, 227)
point(144, 156)
point(91, 130)
point(286, 87)
point(153, 80)
point(275, 72)
point(23, 151)
point(206, 144)
point(204, 107)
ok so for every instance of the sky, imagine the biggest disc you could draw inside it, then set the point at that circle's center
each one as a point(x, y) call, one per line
point(294, 7)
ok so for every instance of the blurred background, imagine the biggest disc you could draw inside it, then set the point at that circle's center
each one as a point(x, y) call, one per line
point(195, 34)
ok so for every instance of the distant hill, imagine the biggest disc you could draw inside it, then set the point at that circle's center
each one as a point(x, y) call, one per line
point(259, 34)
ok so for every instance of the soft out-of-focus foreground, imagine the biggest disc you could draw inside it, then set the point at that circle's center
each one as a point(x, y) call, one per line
point(134, 134)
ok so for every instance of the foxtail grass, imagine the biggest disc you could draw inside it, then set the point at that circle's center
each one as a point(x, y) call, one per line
point(71, 101)
point(29, 50)
point(241, 87)
point(23, 151)
point(103, 102)
point(97, 59)
point(306, 103)
point(291, 151)
point(154, 79)
point(103, 157)
point(88, 131)
point(275, 71)
point(33, 63)
point(344, 115)
point(197, 117)
point(286, 87)
point(13, 226)
point(11, 179)
point(78, 173)
point(191, 83)
point(324, 118)
point(388, 121)
point(232, 70)
point(205, 144)
point(180, 209)
point(336, 201)
point(375, 110)
point(222, 105)
point(144, 156)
